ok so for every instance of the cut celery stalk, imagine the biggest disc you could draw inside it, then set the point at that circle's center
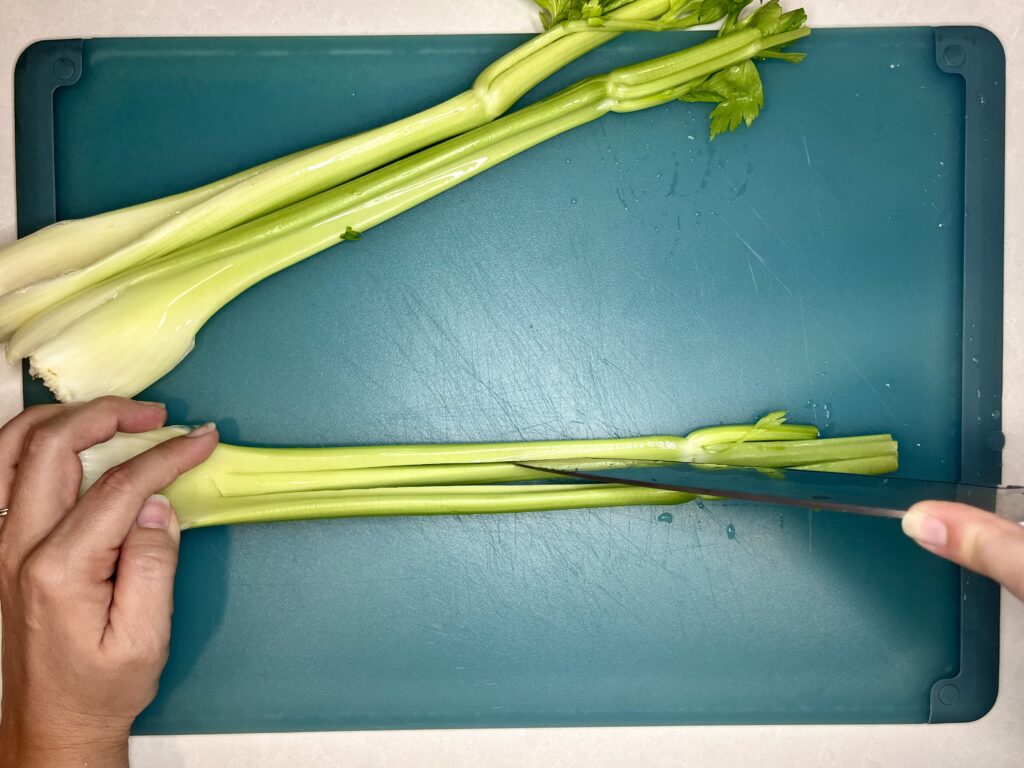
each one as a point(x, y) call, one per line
point(246, 484)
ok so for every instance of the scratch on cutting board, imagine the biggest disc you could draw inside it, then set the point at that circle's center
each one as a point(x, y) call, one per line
point(762, 262)
point(807, 152)
point(647, 555)
point(700, 278)
point(419, 308)
point(752, 278)
point(817, 212)
point(810, 531)
point(875, 392)
point(769, 227)
point(620, 603)
point(807, 354)
point(709, 581)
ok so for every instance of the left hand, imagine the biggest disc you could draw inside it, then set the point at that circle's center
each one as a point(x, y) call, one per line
point(83, 652)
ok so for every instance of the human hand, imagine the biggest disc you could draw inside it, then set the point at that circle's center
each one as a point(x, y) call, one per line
point(83, 652)
point(975, 539)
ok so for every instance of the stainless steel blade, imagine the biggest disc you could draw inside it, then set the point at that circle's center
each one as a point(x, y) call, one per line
point(882, 496)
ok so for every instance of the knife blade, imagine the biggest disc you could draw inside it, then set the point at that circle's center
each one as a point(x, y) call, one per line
point(866, 495)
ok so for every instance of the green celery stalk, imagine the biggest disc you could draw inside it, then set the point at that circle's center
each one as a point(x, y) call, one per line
point(58, 261)
point(87, 346)
point(438, 500)
point(250, 484)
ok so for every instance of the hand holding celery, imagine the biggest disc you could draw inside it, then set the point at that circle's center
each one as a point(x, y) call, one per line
point(250, 485)
point(119, 324)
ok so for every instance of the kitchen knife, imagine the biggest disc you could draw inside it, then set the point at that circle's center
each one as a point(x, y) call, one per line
point(867, 495)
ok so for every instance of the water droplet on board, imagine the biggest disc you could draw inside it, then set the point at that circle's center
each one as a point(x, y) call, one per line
point(730, 531)
point(690, 136)
point(888, 385)
point(573, 201)
point(665, 517)
point(995, 414)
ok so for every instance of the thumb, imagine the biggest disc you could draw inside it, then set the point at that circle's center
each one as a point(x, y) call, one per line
point(975, 539)
point(144, 589)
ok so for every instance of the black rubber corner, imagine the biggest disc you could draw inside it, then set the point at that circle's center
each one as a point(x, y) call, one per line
point(977, 56)
point(41, 69)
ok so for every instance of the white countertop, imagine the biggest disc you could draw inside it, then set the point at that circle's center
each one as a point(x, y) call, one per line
point(996, 740)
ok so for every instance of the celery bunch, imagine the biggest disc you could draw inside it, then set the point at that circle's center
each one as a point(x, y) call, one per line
point(57, 261)
point(130, 310)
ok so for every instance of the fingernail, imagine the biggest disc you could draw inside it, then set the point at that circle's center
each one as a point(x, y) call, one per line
point(205, 429)
point(925, 529)
point(155, 512)
point(152, 403)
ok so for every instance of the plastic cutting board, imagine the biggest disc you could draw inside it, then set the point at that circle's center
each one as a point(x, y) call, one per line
point(841, 259)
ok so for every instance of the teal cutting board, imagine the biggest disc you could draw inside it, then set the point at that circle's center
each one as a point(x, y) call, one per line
point(630, 277)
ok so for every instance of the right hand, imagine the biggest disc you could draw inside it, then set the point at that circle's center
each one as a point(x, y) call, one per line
point(975, 539)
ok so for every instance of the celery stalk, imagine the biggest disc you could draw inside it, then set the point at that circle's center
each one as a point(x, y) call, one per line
point(246, 484)
point(438, 500)
point(122, 334)
point(75, 256)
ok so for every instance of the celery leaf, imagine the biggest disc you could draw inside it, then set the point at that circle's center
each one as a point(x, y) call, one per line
point(560, 11)
point(738, 94)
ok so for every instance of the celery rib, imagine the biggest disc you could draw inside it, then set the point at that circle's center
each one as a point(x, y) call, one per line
point(441, 500)
point(248, 484)
point(162, 227)
point(75, 345)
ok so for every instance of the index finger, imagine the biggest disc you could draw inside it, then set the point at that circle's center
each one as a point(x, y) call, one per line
point(100, 522)
point(49, 471)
